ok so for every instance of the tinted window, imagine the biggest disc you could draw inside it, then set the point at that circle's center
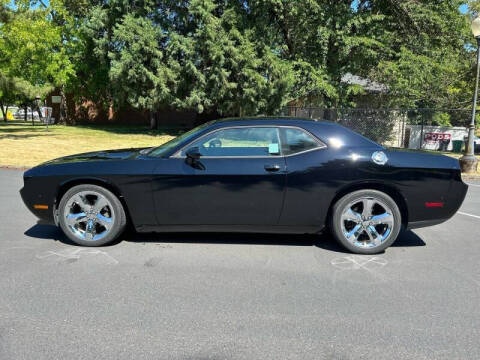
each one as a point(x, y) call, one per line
point(296, 140)
point(244, 141)
point(170, 145)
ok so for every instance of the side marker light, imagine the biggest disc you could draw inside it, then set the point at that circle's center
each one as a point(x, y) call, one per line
point(434, 204)
point(40, 207)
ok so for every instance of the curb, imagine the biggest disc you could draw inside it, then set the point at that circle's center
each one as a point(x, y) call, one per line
point(8, 167)
point(470, 177)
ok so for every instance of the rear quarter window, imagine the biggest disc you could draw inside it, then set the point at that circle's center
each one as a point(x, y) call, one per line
point(296, 140)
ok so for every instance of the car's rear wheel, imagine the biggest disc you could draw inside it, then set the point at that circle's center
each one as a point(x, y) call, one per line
point(366, 221)
point(91, 215)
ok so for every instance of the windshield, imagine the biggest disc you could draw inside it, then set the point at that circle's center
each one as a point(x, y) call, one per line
point(169, 145)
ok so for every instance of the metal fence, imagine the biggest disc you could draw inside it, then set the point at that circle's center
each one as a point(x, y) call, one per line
point(432, 129)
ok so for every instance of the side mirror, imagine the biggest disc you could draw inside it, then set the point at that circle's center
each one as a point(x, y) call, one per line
point(193, 153)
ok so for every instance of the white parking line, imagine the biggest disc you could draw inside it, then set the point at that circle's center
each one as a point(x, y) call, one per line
point(476, 185)
point(466, 214)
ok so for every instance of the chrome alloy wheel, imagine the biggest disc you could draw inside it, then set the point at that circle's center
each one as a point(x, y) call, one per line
point(89, 215)
point(367, 222)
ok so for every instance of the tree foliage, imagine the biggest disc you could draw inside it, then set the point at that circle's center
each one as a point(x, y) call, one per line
point(33, 57)
point(243, 57)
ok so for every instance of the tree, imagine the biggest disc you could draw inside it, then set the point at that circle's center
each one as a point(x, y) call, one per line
point(384, 40)
point(429, 62)
point(233, 57)
point(139, 75)
point(222, 67)
point(32, 57)
point(213, 65)
point(8, 90)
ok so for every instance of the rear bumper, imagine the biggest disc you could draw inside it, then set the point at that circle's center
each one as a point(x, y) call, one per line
point(425, 223)
point(453, 200)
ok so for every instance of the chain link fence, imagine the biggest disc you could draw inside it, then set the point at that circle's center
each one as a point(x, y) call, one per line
point(430, 129)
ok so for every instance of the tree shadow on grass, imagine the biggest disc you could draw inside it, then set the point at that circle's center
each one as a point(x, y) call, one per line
point(12, 127)
point(134, 130)
point(21, 137)
point(324, 241)
point(24, 128)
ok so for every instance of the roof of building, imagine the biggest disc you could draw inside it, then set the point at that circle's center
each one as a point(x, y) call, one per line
point(367, 84)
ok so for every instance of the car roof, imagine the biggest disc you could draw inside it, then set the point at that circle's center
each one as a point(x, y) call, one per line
point(266, 120)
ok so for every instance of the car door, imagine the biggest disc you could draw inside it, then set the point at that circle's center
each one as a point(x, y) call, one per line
point(239, 179)
point(309, 185)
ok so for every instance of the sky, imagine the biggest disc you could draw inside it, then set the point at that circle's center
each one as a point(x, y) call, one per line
point(463, 8)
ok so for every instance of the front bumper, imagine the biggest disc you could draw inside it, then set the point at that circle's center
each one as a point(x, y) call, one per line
point(30, 199)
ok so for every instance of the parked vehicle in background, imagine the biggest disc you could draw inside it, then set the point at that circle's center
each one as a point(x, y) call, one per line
point(20, 113)
point(278, 175)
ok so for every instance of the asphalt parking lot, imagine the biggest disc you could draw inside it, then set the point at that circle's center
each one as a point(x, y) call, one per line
point(221, 296)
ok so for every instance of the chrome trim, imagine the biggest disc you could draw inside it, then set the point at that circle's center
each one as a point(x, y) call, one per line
point(321, 144)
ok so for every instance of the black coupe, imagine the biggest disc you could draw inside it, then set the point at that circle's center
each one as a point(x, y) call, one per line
point(281, 175)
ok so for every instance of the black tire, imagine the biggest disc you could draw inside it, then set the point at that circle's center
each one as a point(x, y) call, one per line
point(341, 205)
point(117, 226)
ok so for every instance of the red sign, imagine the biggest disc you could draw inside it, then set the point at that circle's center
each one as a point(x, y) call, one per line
point(434, 137)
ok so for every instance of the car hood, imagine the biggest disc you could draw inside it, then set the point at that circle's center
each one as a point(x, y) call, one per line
point(104, 155)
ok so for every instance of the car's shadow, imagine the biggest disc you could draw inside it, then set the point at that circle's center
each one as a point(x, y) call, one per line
point(325, 241)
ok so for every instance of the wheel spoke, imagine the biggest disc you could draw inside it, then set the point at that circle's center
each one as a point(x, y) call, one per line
point(367, 207)
point(384, 218)
point(81, 201)
point(351, 215)
point(353, 234)
point(100, 203)
point(106, 222)
point(73, 219)
point(374, 236)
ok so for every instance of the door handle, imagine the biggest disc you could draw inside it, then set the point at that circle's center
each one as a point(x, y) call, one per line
point(272, 167)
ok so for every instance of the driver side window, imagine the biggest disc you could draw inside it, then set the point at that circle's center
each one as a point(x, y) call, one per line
point(239, 142)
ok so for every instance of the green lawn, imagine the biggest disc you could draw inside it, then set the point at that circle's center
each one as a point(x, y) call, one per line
point(24, 145)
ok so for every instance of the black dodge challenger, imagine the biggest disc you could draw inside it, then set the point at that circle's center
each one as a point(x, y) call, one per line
point(278, 175)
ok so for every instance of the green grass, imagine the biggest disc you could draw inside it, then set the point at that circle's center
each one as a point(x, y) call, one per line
point(24, 145)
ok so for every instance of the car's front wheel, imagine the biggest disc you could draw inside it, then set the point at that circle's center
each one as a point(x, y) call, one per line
point(366, 221)
point(91, 215)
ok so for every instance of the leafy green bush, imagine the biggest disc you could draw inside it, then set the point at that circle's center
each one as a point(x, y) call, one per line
point(441, 119)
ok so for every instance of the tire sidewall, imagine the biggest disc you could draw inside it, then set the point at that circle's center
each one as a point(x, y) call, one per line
point(336, 225)
point(118, 224)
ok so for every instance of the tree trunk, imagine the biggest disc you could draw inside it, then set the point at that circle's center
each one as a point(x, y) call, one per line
point(25, 113)
point(3, 113)
point(63, 108)
point(39, 112)
point(153, 120)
